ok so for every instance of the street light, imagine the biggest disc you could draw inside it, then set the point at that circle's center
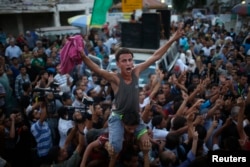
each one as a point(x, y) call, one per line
point(167, 2)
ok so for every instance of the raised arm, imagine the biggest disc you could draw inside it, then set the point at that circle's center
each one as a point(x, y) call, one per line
point(241, 103)
point(96, 69)
point(87, 152)
point(161, 51)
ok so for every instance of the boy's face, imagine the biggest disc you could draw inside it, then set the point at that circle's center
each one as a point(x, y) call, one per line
point(125, 63)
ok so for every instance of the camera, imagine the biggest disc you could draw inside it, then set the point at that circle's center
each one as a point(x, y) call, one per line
point(42, 92)
point(87, 101)
point(84, 114)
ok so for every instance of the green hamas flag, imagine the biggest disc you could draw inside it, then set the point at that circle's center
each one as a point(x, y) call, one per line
point(99, 12)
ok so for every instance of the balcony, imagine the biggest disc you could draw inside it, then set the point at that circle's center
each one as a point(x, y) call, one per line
point(41, 6)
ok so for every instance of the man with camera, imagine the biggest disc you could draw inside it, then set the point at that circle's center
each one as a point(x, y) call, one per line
point(41, 132)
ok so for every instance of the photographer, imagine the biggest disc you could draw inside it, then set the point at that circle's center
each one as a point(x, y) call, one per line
point(64, 124)
point(50, 97)
point(82, 104)
point(41, 132)
point(60, 156)
point(52, 116)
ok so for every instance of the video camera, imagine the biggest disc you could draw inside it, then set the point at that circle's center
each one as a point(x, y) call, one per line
point(85, 114)
point(43, 91)
point(87, 101)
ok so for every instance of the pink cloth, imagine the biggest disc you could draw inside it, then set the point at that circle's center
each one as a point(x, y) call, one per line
point(70, 55)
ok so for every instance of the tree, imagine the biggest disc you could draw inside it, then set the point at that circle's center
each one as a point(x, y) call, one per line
point(180, 5)
point(216, 4)
point(116, 1)
point(198, 3)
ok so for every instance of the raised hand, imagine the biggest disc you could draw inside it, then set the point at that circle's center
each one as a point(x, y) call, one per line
point(194, 134)
point(214, 123)
point(240, 102)
point(180, 32)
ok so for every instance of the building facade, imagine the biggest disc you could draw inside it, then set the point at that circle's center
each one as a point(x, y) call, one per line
point(18, 16)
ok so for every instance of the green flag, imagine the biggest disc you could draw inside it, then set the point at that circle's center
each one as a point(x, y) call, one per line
point(99, 12)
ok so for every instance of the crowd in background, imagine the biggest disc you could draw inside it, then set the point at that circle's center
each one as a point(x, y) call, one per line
point(47, 117)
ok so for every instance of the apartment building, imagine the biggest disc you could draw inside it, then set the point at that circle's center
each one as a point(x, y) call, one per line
point(21, 15)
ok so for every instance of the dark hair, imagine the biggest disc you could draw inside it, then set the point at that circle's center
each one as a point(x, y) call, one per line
point(131, 118)
point(65, 96)
point(15, 110)
point(122, 51)
point(75, 91)
point(172, 140)
point(26, 86)
point(127, 155)
point(201, 131)
point(89, 91)
point(178, 122)
point(42, 72)
point(21, 66)
point(156, 120)
point(62, 111)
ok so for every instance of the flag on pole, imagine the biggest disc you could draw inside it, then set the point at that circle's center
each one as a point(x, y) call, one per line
point(99, 12)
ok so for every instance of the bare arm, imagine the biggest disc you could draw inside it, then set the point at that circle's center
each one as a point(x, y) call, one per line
point(156, 84)
point(195, 141)
point(12, 126)
point(145, 113)
point(70, 137)
point(219, 102)
point(43, 112)
point(220, 130)
point(211, 129)
point(183, 105)
point(160, 52)
point(240, 129)
point(87, 152)
point(96, 69)
point(81, 138)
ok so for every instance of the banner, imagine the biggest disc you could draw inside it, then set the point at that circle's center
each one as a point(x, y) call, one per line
point(131, 5)
point(99, 12)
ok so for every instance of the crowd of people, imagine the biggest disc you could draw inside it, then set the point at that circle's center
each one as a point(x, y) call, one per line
point(103, 118)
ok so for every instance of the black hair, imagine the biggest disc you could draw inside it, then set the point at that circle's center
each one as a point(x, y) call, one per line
point(178, 122)
point(26, 86)
point(156, 120)
point(15, 110)
point(172, 140)
point(201, 130)
point(122, 51)
point(89, 91)
point(127, 156)
point(62, 111)
point(42, 72)
point(21, 66)
point(65, 96)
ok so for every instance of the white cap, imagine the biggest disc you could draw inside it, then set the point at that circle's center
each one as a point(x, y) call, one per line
point(229, 38)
